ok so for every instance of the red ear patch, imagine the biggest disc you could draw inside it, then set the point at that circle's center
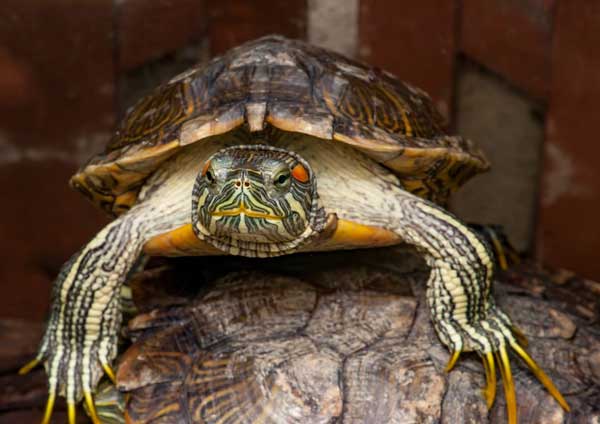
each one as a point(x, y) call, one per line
point(300, 173)
point(206, 165)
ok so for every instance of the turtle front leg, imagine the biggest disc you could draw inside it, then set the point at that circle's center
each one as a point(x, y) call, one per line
point(80, 341)
point(459, 295)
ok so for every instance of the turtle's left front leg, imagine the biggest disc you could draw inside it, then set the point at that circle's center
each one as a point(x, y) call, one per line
point(81, 337)
point(459, 294)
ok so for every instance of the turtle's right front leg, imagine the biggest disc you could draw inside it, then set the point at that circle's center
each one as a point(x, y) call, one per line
point(459, 294)
point(81, 337)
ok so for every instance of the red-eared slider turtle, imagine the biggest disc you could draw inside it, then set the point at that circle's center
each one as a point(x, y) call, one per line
point(274, 148)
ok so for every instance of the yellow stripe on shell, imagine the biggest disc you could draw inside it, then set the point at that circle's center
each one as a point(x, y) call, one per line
point(352, 235)
point(181, 240)
point(348, 235)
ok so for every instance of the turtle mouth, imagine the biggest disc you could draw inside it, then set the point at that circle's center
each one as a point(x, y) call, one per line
point(242, 210)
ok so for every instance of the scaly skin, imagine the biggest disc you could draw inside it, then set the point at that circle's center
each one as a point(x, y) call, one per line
point(80, 342)
point(459, 295)
point(81, 338)
point(243, 208)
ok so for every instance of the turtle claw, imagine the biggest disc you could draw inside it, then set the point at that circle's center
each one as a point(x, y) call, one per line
point(490, 338)
point(49, 408)
point(489, 393)
point(25, 369)
point(541, 376)
point(71, 401)
point(452, 360)
point(71, 407)
point(508, 383)
point(109, 372)
point(71, 412)
point(520, 336)
point(91, 407)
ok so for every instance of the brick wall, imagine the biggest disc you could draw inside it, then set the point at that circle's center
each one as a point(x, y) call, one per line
point(520, 77)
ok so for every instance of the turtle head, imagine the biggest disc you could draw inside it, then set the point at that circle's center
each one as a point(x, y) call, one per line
point(256, 200)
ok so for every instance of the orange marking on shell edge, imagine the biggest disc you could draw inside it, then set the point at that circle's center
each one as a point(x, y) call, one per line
point(178, 242)
point(352, 235)
point(205, 168)
point(299, 173)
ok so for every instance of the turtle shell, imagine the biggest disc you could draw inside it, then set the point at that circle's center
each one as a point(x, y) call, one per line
point(275, 84)
point(345, 341)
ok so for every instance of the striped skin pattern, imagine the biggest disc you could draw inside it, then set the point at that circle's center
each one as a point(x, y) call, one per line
point(343, 118)
point(459, 289)
point(81, 335)
point(256, 201)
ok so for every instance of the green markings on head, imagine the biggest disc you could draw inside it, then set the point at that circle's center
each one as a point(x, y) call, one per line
point(256, 200)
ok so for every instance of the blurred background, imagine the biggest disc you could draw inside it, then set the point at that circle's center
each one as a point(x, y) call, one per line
point(520, 77)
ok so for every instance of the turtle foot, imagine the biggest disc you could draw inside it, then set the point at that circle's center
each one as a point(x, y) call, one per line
point(69, 377)
point(490, 338)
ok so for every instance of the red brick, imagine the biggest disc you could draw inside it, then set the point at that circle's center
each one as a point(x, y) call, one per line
point(60, 53)
point(233, 22)
point(19, 340)
point(57, 96)
point(148, 29)
point(569, 225)
point(511, 37)
point(413, 40)
point(45, 224)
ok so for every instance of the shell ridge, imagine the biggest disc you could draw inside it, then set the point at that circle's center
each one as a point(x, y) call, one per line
point(293, 87)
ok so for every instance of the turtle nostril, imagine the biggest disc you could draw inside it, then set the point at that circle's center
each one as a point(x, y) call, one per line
point(238, 183)
point(246, 184)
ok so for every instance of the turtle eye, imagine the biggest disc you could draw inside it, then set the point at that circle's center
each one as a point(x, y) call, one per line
point(209, 176)
point(208, 173)
point(282, 179)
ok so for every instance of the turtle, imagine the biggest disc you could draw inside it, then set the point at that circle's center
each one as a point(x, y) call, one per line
point(337, 338)
point(276, 147)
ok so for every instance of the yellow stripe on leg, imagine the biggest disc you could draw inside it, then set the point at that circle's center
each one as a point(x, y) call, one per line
point(541, 376)
point(509, 385)
point(452, 360)
point(49, 408)
point(489, 393)
point(29, 366)
point(91, 407)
